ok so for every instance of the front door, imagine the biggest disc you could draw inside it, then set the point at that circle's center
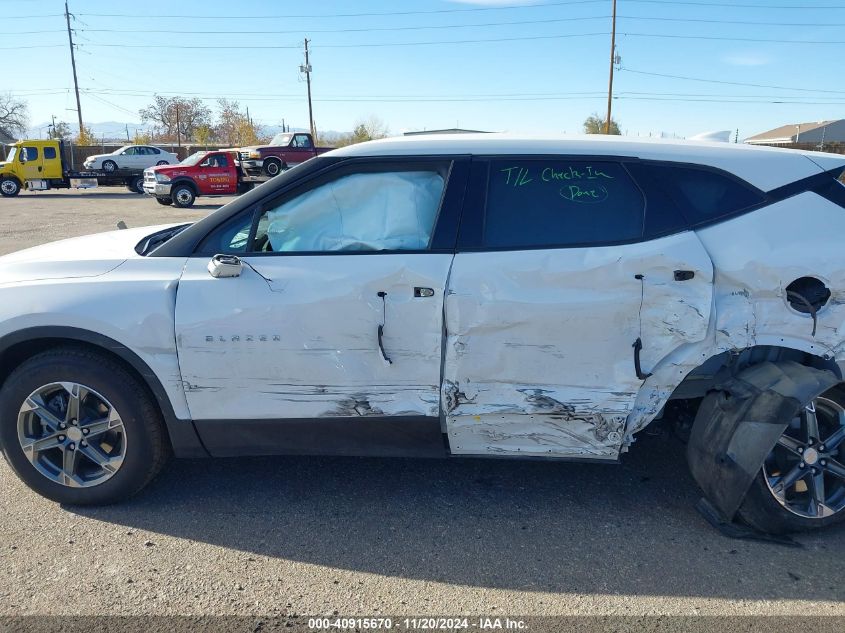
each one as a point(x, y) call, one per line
point(335, 321)
point(216, 175)
point(545, 305)
point(33, 162)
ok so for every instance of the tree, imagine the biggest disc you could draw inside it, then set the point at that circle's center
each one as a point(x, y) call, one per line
point(60, 130)
point(368, 129)
point(165, 111)
point(234, 128)
point(85, 136)
point(14, 115)
point(595, 124)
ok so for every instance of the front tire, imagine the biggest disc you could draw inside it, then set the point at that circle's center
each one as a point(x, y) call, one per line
point(79, 429)
point(9, 187)
point(801, 485)
point(183, 196)
point(109, 166)
point(273, 167)
point(164, 201)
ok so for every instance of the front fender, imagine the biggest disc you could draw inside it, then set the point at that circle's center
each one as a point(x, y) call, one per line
point(739, 423)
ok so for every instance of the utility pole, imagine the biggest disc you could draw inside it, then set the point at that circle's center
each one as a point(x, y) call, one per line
point(610, 81)
point(73, 64)
point(307, 70)
point(178, 133)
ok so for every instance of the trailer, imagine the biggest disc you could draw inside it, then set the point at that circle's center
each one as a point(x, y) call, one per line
point(39, 165)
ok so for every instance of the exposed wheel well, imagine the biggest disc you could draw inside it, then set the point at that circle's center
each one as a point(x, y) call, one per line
point(188, 183)
point(180, 434)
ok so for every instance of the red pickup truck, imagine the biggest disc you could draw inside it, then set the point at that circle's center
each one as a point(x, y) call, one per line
point(215, 173)
point(285, 150)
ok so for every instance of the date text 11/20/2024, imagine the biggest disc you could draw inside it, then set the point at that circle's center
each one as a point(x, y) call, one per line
point(417, 624)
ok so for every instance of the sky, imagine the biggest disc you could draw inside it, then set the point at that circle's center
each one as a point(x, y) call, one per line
point(522, 66)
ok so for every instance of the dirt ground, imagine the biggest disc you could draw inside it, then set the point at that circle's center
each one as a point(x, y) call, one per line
point(282, 536)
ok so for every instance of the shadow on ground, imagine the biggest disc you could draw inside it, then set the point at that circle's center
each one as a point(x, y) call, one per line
point(626, 529)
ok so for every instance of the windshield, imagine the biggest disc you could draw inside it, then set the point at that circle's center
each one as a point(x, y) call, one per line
point(194, 158)
point(12, 153)
point(281, 139)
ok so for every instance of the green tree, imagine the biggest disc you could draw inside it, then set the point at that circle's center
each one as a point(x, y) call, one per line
point(595, 124)
point(164, 112)
point(60, 130)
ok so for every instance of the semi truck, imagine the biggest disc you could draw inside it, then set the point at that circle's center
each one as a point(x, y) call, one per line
point(38, 165)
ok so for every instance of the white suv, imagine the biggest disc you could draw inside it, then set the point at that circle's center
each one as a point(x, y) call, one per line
point(464, 296)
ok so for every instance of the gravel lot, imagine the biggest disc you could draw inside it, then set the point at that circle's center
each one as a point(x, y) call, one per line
point(280, 536)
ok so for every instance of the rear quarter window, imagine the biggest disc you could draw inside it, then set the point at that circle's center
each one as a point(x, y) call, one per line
point(557, 203)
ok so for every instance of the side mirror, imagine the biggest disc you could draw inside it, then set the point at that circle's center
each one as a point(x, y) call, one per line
point(23, 156)
point(225, 266)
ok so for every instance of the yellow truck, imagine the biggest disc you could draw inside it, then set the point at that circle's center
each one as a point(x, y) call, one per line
point(41, 165)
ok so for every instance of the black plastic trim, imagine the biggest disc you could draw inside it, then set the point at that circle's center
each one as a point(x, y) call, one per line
point(368, 436)
point(183, 435)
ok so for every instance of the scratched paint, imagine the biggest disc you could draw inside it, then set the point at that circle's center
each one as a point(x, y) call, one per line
point(298, 337)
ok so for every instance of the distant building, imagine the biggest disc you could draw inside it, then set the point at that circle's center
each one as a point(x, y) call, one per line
point(451, 130)
point(819, 132)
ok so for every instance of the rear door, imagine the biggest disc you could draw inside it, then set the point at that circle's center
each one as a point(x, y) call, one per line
point(544, 307)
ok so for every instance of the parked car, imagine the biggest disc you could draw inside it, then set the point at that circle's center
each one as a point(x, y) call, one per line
point(284, 151)
point(454, 296)
point(131, 157)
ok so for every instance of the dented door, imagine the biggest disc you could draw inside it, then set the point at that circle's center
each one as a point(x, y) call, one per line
point(539, 354)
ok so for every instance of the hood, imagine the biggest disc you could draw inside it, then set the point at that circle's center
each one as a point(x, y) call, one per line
point(87, 256)
point(97, 156)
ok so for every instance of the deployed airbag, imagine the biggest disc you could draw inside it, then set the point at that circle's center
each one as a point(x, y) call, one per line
point(367, 211)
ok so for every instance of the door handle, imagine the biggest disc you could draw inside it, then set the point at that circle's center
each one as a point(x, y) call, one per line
point(684, 275)
point(419, 291)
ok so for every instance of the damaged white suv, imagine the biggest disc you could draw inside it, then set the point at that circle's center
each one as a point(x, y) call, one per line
point(462, 295)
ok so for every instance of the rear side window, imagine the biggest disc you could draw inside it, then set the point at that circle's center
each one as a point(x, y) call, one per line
point(557, 203)
point(703, 195)
point(49, 152)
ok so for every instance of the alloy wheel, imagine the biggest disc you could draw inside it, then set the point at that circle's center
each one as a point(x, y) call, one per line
point(71, 434)
point(805, 471)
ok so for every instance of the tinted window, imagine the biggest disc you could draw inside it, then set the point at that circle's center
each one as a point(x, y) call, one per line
point(662, 215)
point(49, 152)
point(30, 153)
point(535, 203)
point(704, 195)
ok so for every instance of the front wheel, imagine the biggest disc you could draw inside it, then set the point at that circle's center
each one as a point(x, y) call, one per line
point(164, 201)
point(801, 485)
point(9, 187)
point(109, 166)
point(183, 196)
point(78, 428)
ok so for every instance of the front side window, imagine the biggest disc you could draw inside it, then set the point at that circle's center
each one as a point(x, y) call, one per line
point(302, 141)
point(216, 160)
point(28, 154)
point(131, 151)
point(366, 210)
point(557, 203)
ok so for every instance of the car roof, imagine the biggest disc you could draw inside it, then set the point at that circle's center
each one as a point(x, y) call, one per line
point(763, 167)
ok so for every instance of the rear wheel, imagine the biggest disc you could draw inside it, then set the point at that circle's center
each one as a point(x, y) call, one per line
point(183, 196)
point(78, 428)
point(162, 162)
point(9, 187)
point(801, 485)
point(136, 184)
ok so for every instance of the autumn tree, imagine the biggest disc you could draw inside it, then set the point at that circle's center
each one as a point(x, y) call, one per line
point(595, 124)
point(14, 115)
point(165, 112)
point(234, 128)
point(368, 129)
point(85, 136)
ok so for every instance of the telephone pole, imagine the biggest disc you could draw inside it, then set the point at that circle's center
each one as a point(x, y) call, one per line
point(307, 70)
point(610, 81)
point(73, 64)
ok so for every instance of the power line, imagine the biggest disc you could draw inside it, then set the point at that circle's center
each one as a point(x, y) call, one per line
point(730, 83)
point(352, 15)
